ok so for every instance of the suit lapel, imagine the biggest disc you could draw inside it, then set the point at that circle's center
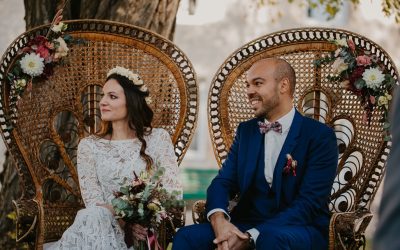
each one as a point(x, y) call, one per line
point(255, 150)
point(287, 148)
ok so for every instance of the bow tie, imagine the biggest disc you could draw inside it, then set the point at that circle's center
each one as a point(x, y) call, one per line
point(265, 128)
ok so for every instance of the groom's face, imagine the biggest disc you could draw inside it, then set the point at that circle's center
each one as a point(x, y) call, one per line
point(263, 88)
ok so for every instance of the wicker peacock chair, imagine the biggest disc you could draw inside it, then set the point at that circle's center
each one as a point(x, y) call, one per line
point(42, 134)
point(363, 150)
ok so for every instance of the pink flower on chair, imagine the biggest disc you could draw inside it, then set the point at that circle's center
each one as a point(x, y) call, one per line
point(290, 167)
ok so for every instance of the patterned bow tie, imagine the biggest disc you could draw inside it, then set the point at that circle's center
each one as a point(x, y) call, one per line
point(275, 126)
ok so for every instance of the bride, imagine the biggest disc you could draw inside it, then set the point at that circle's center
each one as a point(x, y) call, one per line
point(126, 143)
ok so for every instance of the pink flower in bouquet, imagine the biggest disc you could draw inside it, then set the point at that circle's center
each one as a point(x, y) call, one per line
point(363, 60)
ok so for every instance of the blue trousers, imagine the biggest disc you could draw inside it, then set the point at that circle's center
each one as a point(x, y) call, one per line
point(273, 238)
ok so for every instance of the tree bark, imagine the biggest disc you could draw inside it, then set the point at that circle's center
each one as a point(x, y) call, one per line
point(155, 15)
point(158, 16)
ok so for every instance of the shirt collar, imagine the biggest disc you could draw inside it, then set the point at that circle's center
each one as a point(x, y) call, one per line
point(286, 120)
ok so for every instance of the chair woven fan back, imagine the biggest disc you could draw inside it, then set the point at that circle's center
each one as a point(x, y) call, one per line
point(363, 150)
point(48, 122)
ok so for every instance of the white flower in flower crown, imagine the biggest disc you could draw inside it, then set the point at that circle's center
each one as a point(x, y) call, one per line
point(32, 64)
point(143, 88)
point(148, 99)
point(373, 77)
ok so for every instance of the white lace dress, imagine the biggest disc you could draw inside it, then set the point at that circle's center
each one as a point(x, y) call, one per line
point(102, 165)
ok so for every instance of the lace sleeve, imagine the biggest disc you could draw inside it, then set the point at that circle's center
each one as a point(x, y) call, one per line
point(88, 181)
point(167, 159)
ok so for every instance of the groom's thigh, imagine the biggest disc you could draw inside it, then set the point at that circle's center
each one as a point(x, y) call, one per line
point(198, 236)
point(290, 237)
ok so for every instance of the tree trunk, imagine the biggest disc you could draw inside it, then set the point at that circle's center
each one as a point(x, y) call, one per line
point(155, 15)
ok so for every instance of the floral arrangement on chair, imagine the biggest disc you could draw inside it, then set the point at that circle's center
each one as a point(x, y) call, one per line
point(146, 202)
point(361, 73)
point(38, 58)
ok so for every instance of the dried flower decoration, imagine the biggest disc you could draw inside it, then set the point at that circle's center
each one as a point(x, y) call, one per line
point(39, 57)
point(364, 75)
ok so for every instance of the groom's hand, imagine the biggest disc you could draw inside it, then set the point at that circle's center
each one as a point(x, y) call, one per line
point(228, 236)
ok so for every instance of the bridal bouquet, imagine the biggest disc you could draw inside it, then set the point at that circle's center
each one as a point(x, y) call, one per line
point(145, 201)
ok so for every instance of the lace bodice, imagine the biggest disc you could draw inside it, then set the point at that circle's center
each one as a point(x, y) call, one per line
point(103, 164)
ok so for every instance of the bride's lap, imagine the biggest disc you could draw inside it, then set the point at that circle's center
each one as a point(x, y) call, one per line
point(94, 227)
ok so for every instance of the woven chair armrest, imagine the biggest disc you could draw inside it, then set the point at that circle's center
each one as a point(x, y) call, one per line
point(346, 229)
point(27, 216)
point(168, 228)
point(199, 212)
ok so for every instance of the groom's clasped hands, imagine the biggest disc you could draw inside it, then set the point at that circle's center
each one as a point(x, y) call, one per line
point(228, 236)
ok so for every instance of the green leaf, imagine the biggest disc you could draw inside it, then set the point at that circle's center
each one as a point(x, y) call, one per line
point(120, 204)
point(360, 83)
point(124, 190)
point(67, 38)
point(331, 10)
point(386, 125)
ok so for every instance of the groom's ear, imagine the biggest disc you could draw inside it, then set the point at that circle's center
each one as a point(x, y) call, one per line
point(284, 86)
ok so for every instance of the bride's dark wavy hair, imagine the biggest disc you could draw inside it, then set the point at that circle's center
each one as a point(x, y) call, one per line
point(140, 115)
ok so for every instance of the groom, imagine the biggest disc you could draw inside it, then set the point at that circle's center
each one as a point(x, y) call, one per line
point(281, 164)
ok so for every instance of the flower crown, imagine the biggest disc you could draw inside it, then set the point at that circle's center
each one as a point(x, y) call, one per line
point(135, 78)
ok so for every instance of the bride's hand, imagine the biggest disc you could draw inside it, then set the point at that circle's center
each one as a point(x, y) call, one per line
point(111, 209)
point(108, 206)
point(139, 232)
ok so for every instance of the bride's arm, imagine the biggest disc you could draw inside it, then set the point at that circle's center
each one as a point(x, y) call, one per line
point(88, 181)
point(167, 159)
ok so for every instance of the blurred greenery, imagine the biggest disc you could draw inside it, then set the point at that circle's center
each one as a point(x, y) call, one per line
point(196, 181)
point(332, 7)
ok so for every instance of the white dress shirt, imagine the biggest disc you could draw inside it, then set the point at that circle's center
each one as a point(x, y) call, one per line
point(273, 146)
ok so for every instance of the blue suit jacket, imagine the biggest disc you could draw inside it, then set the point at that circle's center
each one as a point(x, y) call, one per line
point(301, 199)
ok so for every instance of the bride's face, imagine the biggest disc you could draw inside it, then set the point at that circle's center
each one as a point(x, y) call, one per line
point(113, 103)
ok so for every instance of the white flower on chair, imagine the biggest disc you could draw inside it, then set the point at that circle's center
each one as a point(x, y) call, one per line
point(373, 78)
point(32, 64)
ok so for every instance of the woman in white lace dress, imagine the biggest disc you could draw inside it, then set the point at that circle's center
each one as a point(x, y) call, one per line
point(126, 143)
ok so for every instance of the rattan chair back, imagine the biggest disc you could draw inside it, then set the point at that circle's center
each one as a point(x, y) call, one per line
point(43, 128)
point(363, 150)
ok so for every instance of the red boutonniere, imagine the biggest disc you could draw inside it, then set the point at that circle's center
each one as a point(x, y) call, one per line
point(290, 167)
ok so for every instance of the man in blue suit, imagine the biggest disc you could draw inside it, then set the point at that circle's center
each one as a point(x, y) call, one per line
point(281, 164)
